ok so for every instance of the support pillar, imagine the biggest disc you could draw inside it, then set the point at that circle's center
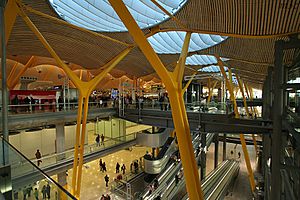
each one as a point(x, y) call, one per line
point(4, 151)
point(266, 112)
point(203, 156)
point(60, 148)
point(224, 147)
point(216, 157)
point(276, 149)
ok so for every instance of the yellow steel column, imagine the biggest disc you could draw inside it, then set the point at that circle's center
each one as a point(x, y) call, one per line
point(188, 83)
point(12, 71)
point(13, 81)
point(82, 141)
point(242, 138)
point(10, 15)
point(77, 138)
point(249, 97)
point(85, 89)
point(211, 91)
point(175, 94)
point(247, 110)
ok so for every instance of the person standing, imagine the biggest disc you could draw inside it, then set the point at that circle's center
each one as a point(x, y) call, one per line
point(102, 139)
point(98, 140)
point(123, 168)
point(32, 101)
point(106, 179)
point(48, 191)
point(36, 194)
point(15, 103)
point(117, 168)
point(38, 156)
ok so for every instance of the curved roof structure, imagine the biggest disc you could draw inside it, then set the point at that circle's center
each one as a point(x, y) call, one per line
point(171, 42)
point(251, 30)
point(100, 16)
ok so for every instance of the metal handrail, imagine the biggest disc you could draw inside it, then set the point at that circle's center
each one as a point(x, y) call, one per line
point(40, 170)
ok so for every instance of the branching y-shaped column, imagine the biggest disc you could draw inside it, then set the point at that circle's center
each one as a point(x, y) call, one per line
point(85, 89)
point(236, 112)
point(173, 83)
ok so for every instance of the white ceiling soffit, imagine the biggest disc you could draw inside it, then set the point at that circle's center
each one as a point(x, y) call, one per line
point(216, 69)
point(98, 15)
point(171, 42)
point(202, 60)
point(212, 68)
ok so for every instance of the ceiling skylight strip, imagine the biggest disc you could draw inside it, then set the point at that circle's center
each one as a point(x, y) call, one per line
point(101, 16)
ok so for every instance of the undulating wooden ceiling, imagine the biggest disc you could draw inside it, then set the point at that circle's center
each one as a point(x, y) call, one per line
point(253, 27)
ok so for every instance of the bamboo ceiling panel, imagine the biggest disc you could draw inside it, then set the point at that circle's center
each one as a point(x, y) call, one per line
point(242, 17)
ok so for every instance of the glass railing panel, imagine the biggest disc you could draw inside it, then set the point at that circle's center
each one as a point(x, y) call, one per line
point(22, 187)
point(59, 107)
point(56, 158)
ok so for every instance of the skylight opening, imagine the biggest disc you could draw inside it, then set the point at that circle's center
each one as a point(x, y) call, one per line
point(100, 16)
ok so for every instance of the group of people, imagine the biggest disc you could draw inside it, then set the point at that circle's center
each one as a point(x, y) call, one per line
point(46, 191)
point(98, 137)
point(28, 103)
point(102, 166)
point(106, 197)
point(134, 167)
point(233, 157)
point(123, 168)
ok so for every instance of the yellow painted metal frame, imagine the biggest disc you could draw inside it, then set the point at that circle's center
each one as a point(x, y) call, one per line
point(173, 83)
point(60, 21)
point(246, 108)
point(10, 15)
point(236, 112)
point(85, 89)
point(12, 72)
point(177, 21)
point(247, 92)
point(188, 83)
point(211, 90)
point(13, 80)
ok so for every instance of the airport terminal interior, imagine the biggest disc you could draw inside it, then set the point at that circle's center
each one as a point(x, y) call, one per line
point(150, 99)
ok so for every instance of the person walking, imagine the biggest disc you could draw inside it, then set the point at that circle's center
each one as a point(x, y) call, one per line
point(98, 140)
point(102, 139)
point(239, 155)
point(117, 168)
point(123, 168)
point(104, 167)
point(101, 165)
point(44, 192)
point(106, 179)
point(38, 157)
point(48, 191)
point(176, 179)
point(36, 194)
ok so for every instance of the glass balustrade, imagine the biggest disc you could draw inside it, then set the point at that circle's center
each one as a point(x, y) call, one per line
point(46, 107)
point(21, 167)
point(22, 188)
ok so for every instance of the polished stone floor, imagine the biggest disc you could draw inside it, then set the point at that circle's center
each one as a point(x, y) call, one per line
point(93, 184)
